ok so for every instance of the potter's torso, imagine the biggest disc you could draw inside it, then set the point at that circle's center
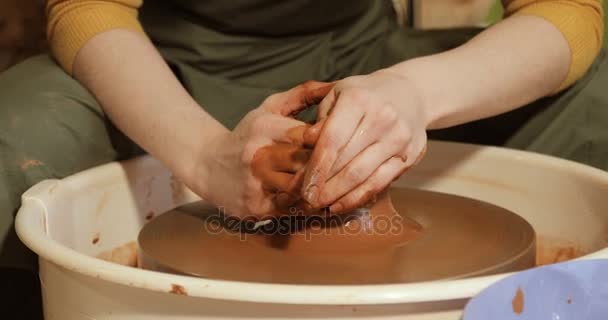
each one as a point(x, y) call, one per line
point(273, 17)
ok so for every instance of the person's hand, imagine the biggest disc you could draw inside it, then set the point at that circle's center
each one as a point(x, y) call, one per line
point(372, 129)
point(244, 170)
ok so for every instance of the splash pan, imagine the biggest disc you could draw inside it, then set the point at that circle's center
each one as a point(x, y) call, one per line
point(70, 223)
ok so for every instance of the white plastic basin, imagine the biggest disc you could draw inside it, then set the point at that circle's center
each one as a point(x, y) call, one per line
point(69, 222)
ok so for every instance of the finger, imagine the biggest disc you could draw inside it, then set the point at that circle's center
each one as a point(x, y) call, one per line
point(336, 133)
point(312, 133)
point(277, 181)
point(271, 179)
point(327, 105)
point(285, 201)
point(408, 166)
point(296, 135)
point(287, 157)
point(282, 129)
point(421, 155)
point(298, 181)
point(291, 102)
point(279, 157)
point(361, 139)
point(287, 130)
point(356, 172)
point(379, 180)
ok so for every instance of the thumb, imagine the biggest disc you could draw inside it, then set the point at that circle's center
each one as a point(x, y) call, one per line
point(291, 102)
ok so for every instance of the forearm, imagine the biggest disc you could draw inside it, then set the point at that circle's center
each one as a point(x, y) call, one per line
point(507, 66)
point(143, 98)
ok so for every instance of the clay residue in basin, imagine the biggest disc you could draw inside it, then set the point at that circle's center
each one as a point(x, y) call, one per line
point(125, 255)
point(150, 215)
point(95, 239)
point(179, 290)
point(518, 302)
point(553, 250)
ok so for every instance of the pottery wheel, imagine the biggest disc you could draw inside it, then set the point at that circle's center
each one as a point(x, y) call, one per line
point(461, 238)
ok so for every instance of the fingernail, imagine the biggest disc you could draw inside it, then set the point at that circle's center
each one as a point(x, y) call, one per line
point(312, 194)
point(336, 207)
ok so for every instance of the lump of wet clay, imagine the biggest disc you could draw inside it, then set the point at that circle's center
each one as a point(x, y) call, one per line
point(377, 226)
point(374, 226)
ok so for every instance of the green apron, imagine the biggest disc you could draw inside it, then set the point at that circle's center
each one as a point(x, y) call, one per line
point(230, 55)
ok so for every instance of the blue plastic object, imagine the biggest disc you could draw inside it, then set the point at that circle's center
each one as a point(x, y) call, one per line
point(576, 290)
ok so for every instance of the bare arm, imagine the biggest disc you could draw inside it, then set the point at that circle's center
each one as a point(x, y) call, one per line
point(543, 48)
point(144, 99)
point(521, 59)
point(511, 64)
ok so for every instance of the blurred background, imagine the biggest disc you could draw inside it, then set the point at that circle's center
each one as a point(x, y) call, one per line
point(22, 22)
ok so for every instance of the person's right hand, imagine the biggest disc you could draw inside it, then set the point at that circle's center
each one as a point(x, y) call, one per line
point(242, 171)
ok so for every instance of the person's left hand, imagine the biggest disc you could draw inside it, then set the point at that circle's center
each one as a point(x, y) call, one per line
point(372, 129)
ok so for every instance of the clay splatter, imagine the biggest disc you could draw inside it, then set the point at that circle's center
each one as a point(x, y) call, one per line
point(569, 300)
point(26, 164)
point(518, 302)
point(150, 215)
point(179, 290)
point(551, 250)
point(95, 238)
point(564, 254)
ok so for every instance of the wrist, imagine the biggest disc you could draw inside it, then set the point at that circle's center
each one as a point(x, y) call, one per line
point(410, 93)
point(195, 167)
point(443, 94)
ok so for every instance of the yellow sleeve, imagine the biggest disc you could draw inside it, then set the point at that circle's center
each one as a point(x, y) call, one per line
point(580, 21)
point(71, 23)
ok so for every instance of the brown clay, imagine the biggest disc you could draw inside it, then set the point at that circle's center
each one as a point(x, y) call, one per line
point(95, 238)
point(302, 136)
point(178, 290)
point(462, 237)
point(553, 250)
point(278, 165)
point(518, 302)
